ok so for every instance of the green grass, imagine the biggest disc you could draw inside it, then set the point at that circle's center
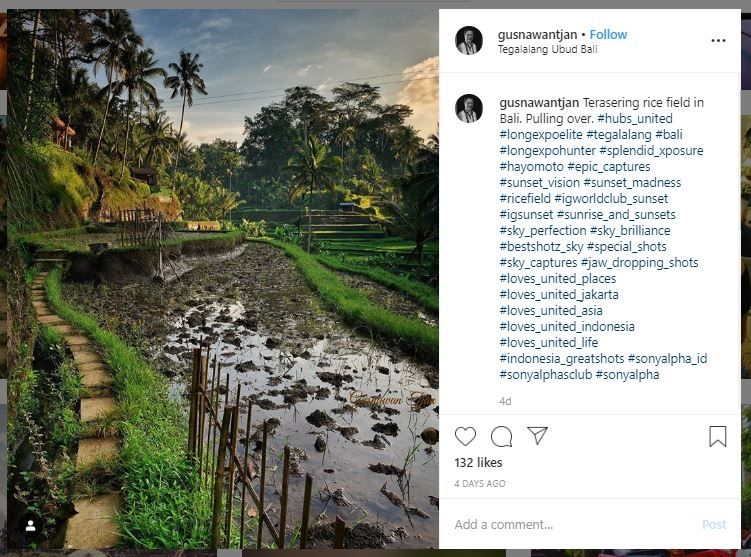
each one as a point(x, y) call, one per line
point(164, 505)
point(357, 309)
point(376, 245)
point(424, 295)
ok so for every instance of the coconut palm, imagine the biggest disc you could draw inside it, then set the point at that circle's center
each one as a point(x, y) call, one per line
point(72, 89)
point(182, 145)
point(147, 65)
point(232, 162)
point(345, 135)
point(185, 81)
point(114, 33)
point(311, 169)
point(407, 145)
point(417, 213)
point(158, 139)
point(138, 66)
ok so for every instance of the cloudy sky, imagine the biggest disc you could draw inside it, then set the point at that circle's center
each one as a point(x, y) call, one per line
point(251, 56)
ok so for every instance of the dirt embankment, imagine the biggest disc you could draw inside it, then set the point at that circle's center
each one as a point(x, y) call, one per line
point(142, 264)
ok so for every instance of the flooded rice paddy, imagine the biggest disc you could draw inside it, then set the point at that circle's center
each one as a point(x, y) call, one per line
point(356, 412)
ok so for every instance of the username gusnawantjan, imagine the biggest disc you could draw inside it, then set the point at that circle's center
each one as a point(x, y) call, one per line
point(558, 35)
point(563, 103)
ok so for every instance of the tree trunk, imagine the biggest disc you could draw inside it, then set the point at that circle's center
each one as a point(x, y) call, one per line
point(179, 135)
point(65, 134)
point(230, 192)
point(127, 137)
point(310, 216)
point(33, 65)
point(104, 119)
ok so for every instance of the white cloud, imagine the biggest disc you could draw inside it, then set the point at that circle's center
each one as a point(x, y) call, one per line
point(305, 70)
point(219, 23)
point(267, 68)
point(421, 94)
point(326, 84)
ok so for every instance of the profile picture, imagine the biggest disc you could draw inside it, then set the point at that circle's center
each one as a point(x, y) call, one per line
point(468, 108)
point(469, 40)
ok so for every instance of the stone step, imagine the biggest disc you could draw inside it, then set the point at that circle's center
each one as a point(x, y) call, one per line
point(96, 377)
point(96, 408)
point(94, 524)
point(86, 357)
point(77, 340)
point(93, 449)
point(64, 329)
point(51, 320)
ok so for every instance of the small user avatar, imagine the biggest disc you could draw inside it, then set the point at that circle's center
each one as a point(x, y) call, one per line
point(469, 40)
point(30, 526)
point(469, 108)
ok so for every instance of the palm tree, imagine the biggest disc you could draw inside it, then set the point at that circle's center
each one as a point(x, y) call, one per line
point(182, 145)
point(418, 211)
point(72, 87)
point(138, 66)
point(226, 201)
point(183, 83)
point(147, 65)
point(345, 135)
point(232, 161)
point(407, 144)
point(158, 139)
point(312, 168)
point(114, 33)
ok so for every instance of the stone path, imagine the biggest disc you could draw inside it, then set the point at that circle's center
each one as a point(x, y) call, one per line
point(94, 526)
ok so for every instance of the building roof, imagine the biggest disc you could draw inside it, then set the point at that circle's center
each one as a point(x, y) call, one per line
point(59, 125)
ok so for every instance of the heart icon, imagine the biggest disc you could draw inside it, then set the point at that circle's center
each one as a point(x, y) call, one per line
point(465, 435)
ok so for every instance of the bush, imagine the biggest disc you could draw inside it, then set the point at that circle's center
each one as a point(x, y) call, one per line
point(253, 229)
point(287, 233)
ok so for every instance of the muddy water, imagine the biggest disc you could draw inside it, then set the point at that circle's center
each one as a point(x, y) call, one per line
point(293, 360)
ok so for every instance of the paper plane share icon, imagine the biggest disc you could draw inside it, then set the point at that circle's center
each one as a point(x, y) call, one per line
point(538, 432)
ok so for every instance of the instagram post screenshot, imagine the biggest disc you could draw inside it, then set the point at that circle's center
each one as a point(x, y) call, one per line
point(230, 230)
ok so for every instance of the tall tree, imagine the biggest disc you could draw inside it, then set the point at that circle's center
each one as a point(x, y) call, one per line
point(114, 33)
point(158, 139)
point(417, 213)
point(138, 66)
point(407, 145)
point(356, 101)
point(148, 69)
point(185, 81)
point(311, 169)
point(232, 162)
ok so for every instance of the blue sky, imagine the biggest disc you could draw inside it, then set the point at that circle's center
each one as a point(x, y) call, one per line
point(247, 51)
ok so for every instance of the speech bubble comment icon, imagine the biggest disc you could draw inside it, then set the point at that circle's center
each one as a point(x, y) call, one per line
point(501, 436)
